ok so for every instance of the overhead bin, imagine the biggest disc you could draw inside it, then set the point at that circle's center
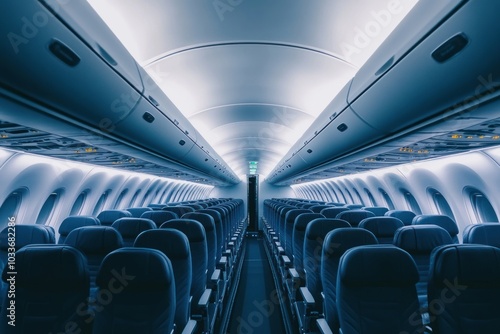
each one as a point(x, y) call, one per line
point(456, 63)
point(44, 61)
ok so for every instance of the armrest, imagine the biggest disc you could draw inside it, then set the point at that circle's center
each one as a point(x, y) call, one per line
point(294, 274)
point(286, 261)
point(281, 250)
point(190, 327)
point(323, 326)
point(215, 276)
point(205, 299)
point(308, 297)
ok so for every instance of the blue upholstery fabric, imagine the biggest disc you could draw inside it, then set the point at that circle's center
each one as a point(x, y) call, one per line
point(464, 289)
point(138, 211)
point(485, 234)
point(136, 292)
point(72, 222)
point(440, 220)
point(159, 216)
point(287, 241)
point(333, 212)
point(376, 291)
point(108, 217)
point(316, 232)
point(218, 231)
point(419, 241)
point(130, 228)
point(195, 232)
point(319, 207)
point(382, 227)
point(175, 245)
point(377, 210)
point(337, 242)
point(298, 235)
point(354, 217)
point(95, 242)
point(179, 210)
point(404, 215)
point(51, 288)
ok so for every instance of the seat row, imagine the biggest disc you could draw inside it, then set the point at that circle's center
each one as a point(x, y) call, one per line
point(201, 257)
point(307, 246)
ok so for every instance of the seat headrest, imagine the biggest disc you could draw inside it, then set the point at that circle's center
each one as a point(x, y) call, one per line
point(405, 215)
point(421, 239)
point(484, 233)
point(465, 264)
point(72, 222)
point(131, 227)
point(138, 211)
point(159, 216)
point(381, 226)
point(193, 229)
point(440, 220)
point(333, 212)
point(302, 220)
point(292, 215)
point(355, 216)
point(179, 209)
point(107, 217)
point(204, 218)
point(26, 235)
point(142, 269)
point(214, 213)
point(319, 227)
point(53, 266)
point(377, 210)
point(377, 265)
point(338, 241)
point(95, 239)
point(172, 243)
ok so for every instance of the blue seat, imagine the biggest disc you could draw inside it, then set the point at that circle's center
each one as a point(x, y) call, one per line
point(377, 210)
point(464, 289)
point(175, 245)
point(336, 243)
point(136, 292)
point(130, 228)
point(287, 241)
point(404, 215)
point(94, 242)
point(376, 291)
point(333, 211)
point(484, 233)
point(218, 231)
point(72, 222)
point(138, 211)
point(382, 227)
point(178, 210)
point(298, 235)
point(108, 217)
point(51, 288)
point(159, 216)
point(440, 220)
point(355, 216)
point(25, 234)
point(419, 241)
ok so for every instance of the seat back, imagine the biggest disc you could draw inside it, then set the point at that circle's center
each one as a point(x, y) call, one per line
point(218, 230)
point(287, 241)
point(440, 220)
point(464, 289)
point(337, 242)
point(355, 216)
point(131, 227)
point(333, 212)
point(141, 288)
point(484, 233)
point(382, 227)
point(298, 236)
point(319, 207)
point(195, 232)
point(376, 291)
point(377, 210)
point(419, 241)
point(316, 232)
point(108, 217)
point(95, 242)
point(175, 245)
point(138, 211)
point(159, 216)
point(404, 215)
point(72, 222)
point(51, 288)
point(179, 210)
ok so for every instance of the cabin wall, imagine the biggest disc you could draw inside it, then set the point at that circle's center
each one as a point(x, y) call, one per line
point(37, 189)
point(467, 183)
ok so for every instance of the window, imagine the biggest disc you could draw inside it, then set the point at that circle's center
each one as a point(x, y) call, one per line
point(370, 197)
point(441, 203)
point(10, 207)
point(481, 206)
point(359, 196)
point(387, 199)
point(411, 202)
point(132, 201)
point(100, 203)
point(119, 200)
point(350, 196)
point(77, 206)
point(47, 209)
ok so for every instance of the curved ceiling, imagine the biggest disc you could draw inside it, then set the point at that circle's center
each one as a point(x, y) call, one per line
point(252, 75)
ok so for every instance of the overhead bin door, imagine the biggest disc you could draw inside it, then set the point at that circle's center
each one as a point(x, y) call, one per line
point(457, 62)
point(44, 61)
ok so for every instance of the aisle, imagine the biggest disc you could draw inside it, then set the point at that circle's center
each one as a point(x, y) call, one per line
point(256, 307)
